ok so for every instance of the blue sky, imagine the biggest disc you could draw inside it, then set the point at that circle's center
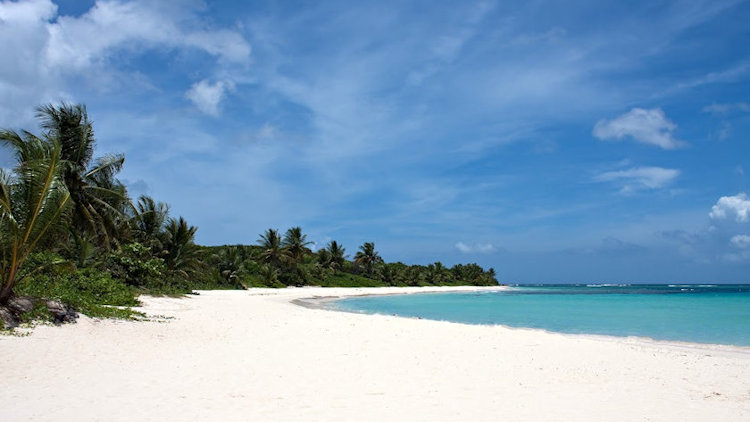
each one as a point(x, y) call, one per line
point(595, 142)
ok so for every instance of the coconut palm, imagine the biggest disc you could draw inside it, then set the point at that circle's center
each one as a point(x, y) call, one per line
point(273, 252)
point(149, 221)
point(332, 256)
point(324, 258)
point(337, 255)
point(367, 257)
point(491, 276)
point(81, 248)
point(269, 275)
point(437, 273)
point(33, 198)
point(181, 254)
point(99, 199)
point(296, 244)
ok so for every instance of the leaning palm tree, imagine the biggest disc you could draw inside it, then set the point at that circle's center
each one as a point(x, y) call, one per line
point(33, 199)
point(273, 252)
point(367, 257)
point(181, 254)
point(99, 199)
point(296, 243)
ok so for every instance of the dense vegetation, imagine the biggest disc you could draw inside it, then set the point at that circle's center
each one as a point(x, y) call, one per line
point(70, 232)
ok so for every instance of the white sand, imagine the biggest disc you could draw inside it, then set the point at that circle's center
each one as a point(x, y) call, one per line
point(252, 355)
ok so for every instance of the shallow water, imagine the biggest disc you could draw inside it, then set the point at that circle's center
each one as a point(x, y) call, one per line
point(695, 313)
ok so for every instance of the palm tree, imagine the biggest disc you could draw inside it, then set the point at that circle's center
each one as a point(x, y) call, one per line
point(82, 247)
point(99, 199)
point(149, 221)
point(273, 253)
point(492, 276)
point(296, 243)
point(332, 256)
point(324, 258)
point(269, 275)
point(367, 257)
point(181, 254)
point(232, 263)
point(336, 254)
point(437, 273)
point(33, 198)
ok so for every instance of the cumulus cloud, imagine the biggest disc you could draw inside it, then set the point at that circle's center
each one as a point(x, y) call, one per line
point(646, 126)
point(476, 247)
point(80, 41)
point(207, 96)
point(639, 178)
point(735, 207)
point(26, 11)
point(43, 50)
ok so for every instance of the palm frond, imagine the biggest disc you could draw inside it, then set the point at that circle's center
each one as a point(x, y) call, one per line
point(107, 167)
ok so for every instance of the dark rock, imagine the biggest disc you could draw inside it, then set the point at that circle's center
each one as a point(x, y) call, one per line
point(20, 305)
point(60, 313)
point(8, 318)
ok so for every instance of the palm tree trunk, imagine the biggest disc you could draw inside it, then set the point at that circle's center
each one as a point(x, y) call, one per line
point(7, 291)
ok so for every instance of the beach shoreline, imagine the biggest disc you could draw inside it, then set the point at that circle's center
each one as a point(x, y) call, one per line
point(324, 302)
point(240, 355)
point(319, 302)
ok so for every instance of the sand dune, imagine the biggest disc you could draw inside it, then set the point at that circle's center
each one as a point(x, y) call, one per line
point(253, 355)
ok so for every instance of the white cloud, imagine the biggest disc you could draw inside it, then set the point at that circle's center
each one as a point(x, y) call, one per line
point(27, 11)
point(645, 126)
point(726, 108)
point(735, 207)
point(640, 178)
point(43, 51)
point(463, 247)
point(207, 96)
point(734, 73)
point(477, 247)
point(740, 241)
point(80, 41)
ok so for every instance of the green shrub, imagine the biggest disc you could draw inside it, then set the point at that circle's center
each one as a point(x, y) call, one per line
point(134, 264)
point(89, 291)
point(350, 280)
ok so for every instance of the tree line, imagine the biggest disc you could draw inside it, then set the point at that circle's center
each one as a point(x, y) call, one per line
point(277, 261)
point(68, 227)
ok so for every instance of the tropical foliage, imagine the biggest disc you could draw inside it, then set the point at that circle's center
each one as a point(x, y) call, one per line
point(99, 199)
point(69, 231)
point(368, 257)
point(33, 198)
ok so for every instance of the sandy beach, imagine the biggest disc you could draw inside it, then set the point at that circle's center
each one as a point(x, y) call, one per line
point(255, 355)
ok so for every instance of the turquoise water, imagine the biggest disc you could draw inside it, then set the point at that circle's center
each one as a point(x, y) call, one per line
point(703, 314)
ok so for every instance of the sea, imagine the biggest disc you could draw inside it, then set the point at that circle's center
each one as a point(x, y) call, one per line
point(706, 313)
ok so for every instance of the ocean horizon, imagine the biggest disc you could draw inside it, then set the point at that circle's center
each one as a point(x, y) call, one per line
point(696, 313)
